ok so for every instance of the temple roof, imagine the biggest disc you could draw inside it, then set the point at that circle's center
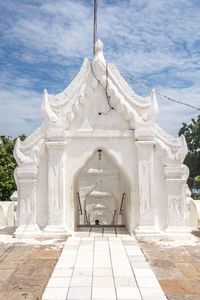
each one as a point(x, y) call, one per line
point(60, 110)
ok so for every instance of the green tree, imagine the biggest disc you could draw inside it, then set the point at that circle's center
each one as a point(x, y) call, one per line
point(192, 160)
point(197, 182)
point(196, 186)
point(7, 166)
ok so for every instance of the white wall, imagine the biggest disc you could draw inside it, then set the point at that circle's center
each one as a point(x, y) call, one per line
point(42, 194)
point(89, 118)
point(160, 194)
point(7, 213)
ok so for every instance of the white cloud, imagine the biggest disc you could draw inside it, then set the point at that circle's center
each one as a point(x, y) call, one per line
point(172, 115)
point(156, 41)
point(20, 111)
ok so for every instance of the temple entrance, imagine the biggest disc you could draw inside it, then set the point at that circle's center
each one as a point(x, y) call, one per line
point(101, 193)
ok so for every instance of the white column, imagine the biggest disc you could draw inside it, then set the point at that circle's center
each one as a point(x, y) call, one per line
point(56, 186)
point(175, 183)
point(146, 204)
point(27, 202)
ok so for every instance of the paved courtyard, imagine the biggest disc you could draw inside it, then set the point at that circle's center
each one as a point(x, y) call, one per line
point(100, 266)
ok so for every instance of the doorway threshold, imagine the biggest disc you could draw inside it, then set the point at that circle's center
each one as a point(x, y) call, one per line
point(101, 230)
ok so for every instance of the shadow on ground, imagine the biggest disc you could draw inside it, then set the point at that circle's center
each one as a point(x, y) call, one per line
point(7, 230)
point(196, 232)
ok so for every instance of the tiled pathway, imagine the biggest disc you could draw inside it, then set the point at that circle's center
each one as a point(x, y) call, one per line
point(102, 268)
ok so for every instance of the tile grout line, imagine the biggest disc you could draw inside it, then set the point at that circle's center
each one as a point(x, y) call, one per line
point(92, 268)
point(73, 268)
point(55, 268)
point(133, 270)
point(112, 267)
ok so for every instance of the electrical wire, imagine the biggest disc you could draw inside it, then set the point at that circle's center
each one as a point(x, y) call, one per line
point(160, 94)
point(95, 26)
point(134, 80)
point(94, 52)
point(105, 89)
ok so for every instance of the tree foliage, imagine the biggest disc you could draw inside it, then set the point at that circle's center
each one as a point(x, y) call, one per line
point(7, 166)
point(197, 182)
point(192, 134)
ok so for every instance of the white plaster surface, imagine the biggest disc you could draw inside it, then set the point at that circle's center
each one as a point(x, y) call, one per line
point(60, 159)
point(7, 213)
point(195, 212)
point(2, 217)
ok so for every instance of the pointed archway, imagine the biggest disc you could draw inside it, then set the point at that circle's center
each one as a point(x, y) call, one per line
point(101, 192)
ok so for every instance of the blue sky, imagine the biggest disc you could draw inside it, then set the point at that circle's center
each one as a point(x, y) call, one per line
point(43, 44)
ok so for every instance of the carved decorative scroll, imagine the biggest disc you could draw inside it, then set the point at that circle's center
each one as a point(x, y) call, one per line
point(56, 181)
point(27, 199)
point(145, 181)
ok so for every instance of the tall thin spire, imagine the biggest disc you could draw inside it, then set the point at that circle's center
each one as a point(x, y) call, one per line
point(95, 26)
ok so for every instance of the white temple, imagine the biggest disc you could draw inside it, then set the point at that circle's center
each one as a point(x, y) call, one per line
point(98, 157)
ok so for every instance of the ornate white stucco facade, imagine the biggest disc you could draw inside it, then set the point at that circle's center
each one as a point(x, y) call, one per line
point(61, 160)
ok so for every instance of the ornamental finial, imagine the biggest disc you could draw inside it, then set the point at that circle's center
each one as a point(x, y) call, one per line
point(99, 52)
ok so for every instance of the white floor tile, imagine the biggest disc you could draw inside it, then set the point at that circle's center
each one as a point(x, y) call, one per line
point(114, 238)
point(102, 272)
point(125, 281)
point(58, 282)
point(103, 292)
point(117, 252)
point(101, 252)
point(102, 264)
point(81, 281)
point(62, 272)
point(69, 252)
point(77, 293)
point(87, 239)
point(105, 298)
point(83, 264)
point(55, 293)
point(67, 258)
point(152, 293)
point(148, 282)
point(132, 298)
point(120, 271)
point(86, 252)
point(103, 281)
point(82, 272)
point(65, 264)
point(134, 258)
point(128, 293)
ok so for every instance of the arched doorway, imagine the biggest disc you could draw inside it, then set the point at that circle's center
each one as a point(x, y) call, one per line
point(101, 192)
